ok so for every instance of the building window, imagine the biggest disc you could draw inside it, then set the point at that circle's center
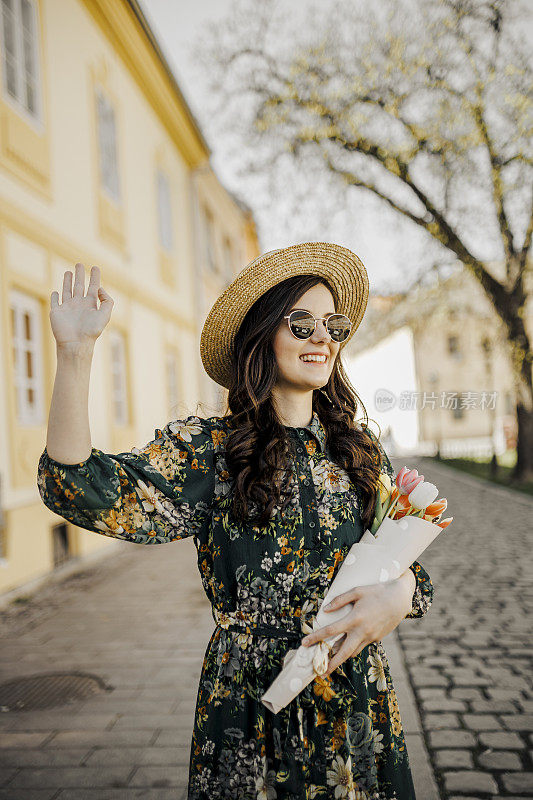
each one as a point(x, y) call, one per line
point(453, 347)
point(20, 53)
point(118, 372)
point(60, 544)
point(172, 381)
point(27, 359)
point(458, 410)
point(107, 146)
point(209, 238)
point(164, 211)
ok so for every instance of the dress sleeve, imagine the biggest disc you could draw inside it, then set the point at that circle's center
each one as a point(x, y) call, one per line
point(159, 493)
point(424, 589)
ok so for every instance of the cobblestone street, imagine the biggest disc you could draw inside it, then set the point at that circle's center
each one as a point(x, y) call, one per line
point(470, 660)
point(139, 620)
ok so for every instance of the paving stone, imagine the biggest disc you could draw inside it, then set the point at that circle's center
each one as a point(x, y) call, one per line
point(443, 704)
point(88, 777)
point(499, 759)
point(176, 755)
point(465, 797)
point(23, 739)
point(431, 693)
point(470, 680)
point(502, 694)
point(28, 794)
point(69, 757)
point(501, 740)
point(433, 722)
point(159, 776)
point(466, 693)
point(472, 781)
point(493, 706)
point(518, 722)
point(110, 738)
point(7, 774)
point(481, 722)
point(429, 679)
point(518, 782)
point(174, 793)
point(151, 722)
point(451, 738)
point(453, 758)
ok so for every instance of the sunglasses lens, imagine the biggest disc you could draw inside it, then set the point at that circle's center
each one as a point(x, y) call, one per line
point(339, 327)
point(302, 324)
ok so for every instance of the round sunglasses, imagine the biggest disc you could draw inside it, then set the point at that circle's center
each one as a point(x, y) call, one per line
point(302, 325)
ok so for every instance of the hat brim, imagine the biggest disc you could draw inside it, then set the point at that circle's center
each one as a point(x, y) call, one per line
point(338, 265)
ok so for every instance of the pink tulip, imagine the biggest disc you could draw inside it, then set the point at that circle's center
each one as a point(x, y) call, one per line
point(407, 479)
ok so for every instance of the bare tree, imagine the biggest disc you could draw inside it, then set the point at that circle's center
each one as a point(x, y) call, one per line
point(425, 104)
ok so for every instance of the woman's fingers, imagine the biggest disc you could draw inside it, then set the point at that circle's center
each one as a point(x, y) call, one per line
point(54, 300)
point(342, 599)
point(94, 283)
point(352, 646)
point(67, 286)
point(79, 281)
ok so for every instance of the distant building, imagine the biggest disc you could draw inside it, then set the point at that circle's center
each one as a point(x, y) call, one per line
point(101, 161)
point(435, 369)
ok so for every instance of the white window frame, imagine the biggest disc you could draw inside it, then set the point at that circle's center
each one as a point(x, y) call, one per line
point(172, 378)
point(107, 145)
point(23, 57)
point(21, 304)
point(164, 211)
point(119, 381)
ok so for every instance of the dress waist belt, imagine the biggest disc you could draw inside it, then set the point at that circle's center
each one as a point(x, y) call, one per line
point(242, 623)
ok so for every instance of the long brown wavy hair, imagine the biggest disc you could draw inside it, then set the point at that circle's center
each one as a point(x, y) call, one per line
point(257, 447)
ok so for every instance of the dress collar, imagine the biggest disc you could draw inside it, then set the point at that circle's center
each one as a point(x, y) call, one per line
point(316, 428)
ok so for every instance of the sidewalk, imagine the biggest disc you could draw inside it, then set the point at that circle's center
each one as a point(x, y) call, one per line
point(140, 621)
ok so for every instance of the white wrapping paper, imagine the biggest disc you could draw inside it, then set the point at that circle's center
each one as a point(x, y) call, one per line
point(376, 558)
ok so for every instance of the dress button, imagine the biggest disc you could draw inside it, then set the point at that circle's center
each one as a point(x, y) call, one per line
point(306, 482)
point(311, 524)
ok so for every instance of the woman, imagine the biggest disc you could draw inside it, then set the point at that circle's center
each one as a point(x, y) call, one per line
point(274, 493)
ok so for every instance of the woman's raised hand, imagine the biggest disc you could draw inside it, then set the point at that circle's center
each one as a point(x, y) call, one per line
point(79, 320)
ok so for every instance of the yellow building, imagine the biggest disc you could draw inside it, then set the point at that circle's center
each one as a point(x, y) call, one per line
point(101, 161)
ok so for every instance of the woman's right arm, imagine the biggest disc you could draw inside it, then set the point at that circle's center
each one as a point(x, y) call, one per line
point(157, 494)
point(76, 324)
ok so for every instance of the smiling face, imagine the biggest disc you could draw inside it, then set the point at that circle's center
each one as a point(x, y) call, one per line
point(293, 371)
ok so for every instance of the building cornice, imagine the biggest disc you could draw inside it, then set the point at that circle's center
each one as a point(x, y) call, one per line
point(131, 37)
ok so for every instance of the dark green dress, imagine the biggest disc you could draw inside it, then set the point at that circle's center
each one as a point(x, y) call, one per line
point(342, 736)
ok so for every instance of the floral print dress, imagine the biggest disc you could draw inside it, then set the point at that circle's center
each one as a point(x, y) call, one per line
point(342, 736)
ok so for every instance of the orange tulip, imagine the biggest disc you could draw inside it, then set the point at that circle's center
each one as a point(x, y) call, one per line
point(436, 508)
point(445, 522)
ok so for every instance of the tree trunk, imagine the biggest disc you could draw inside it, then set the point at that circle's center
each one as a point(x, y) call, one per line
point(523, 470)
point(511, 310)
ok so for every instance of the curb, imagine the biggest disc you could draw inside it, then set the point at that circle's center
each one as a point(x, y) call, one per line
point(423, 777)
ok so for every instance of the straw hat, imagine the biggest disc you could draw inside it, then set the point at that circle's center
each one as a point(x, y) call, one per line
point(342, 268)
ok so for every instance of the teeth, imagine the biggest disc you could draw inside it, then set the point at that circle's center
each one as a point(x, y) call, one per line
point(321, 359)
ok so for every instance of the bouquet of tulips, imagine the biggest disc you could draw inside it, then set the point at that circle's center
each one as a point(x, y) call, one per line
point(411, 495)
point(407, 518)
